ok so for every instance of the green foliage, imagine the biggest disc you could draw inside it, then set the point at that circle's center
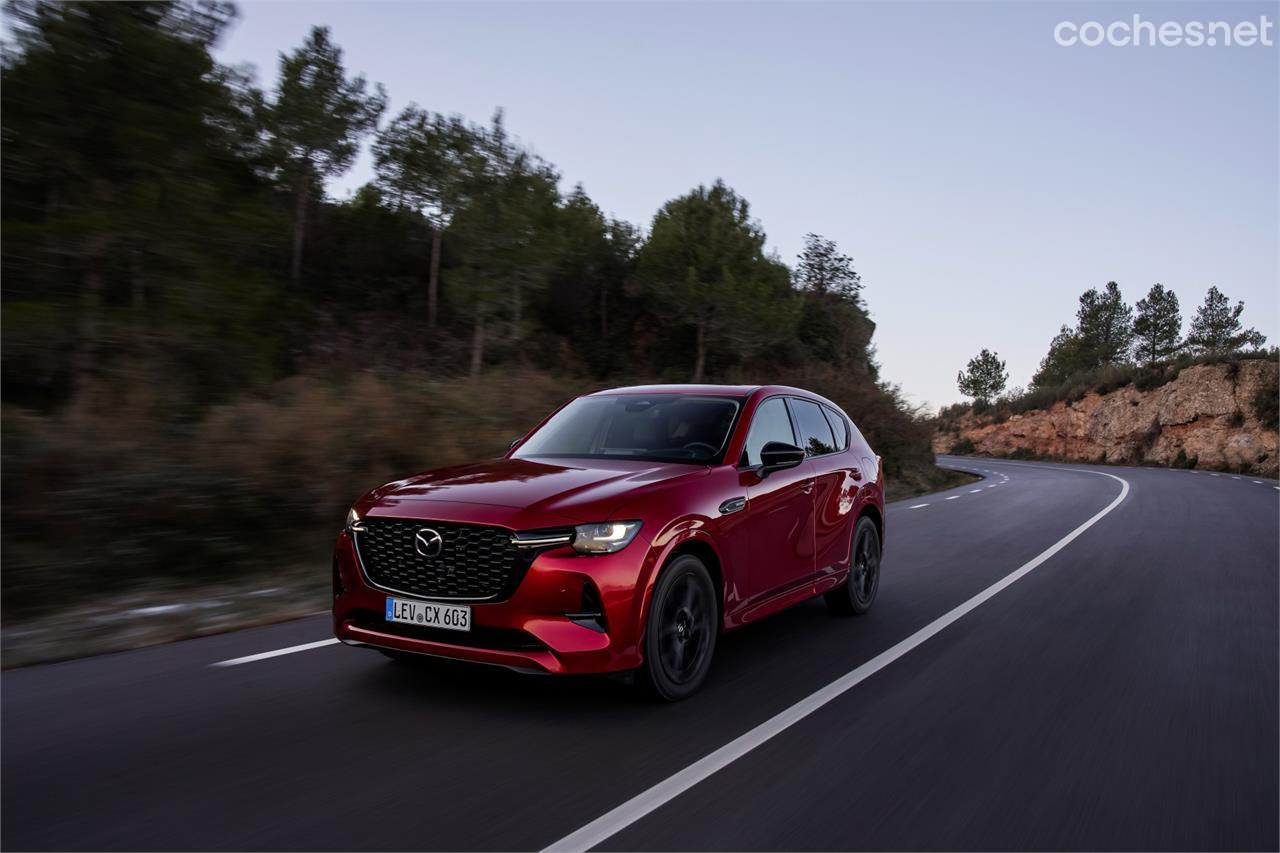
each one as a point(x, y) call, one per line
point(319, 115)
point(1217, 329)
point(983, 378)
point(1105, 325)
point(1266, 406)
point(1157, 328)
point(705, 270)
point(832, 323)
point(1103, 335)
point(314, 125)
point(823, 269)
point(963, 447)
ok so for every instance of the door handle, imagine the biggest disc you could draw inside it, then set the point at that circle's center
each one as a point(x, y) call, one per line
point(733, 505)
point(808, 487)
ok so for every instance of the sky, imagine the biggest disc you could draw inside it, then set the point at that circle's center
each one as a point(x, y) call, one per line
point(980, 175)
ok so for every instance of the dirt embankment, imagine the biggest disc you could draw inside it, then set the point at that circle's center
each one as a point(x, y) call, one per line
point(1207, 418)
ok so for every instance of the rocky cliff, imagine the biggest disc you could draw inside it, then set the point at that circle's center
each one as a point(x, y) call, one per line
point(1206, 417)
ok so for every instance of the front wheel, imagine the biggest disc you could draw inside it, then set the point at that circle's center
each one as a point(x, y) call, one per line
point(856, 595)
point(680, 631)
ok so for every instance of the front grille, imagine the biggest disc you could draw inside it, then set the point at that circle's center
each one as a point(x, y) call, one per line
point(475, 562)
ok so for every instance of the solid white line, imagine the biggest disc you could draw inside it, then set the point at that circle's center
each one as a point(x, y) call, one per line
point(275, 654)
point(612, 822)
point(954, 497)
point(917, 506)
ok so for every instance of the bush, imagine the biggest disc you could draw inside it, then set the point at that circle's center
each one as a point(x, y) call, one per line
point(1266, 405)
point(120, 495)
point(964, 447)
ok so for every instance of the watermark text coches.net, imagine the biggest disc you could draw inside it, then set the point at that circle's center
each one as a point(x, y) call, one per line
point(1139, 32)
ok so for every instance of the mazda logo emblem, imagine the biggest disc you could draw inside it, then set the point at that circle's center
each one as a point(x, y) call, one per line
point(428, 543)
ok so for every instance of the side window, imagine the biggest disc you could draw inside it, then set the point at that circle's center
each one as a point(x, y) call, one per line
point(771, 423)
point(838, 427)
point(814, 429)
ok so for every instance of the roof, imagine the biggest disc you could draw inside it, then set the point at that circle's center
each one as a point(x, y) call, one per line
point(709, 390)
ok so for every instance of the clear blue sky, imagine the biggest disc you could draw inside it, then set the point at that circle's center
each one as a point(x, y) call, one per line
point(980, 175)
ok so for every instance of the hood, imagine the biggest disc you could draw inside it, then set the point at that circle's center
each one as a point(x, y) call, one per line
point(577, 490)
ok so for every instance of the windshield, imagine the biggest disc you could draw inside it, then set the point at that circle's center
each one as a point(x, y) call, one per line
point(659, 427)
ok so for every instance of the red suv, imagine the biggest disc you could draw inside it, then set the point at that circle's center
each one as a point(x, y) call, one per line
point(625, 532)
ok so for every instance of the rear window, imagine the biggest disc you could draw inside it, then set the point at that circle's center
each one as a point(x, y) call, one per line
point(815, 432)
point(838, 427)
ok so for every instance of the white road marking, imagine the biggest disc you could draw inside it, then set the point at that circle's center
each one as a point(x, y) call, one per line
point(275, 654)
point(1257, 482)
point(1211, 474)
point(612, 822)
point(954, 498)
point(1235, 478)
point(993, 485)
point(917, 506)
point(974, 491)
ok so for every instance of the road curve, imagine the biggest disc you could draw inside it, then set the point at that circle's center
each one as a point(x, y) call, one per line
point(1120, 694)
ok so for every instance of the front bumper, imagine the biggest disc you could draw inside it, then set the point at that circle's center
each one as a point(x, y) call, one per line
point(530, 631)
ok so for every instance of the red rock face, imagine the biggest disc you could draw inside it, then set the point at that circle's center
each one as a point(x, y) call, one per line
point(1207, 413)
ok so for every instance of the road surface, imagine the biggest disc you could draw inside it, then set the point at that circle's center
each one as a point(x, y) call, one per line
point(1027, 679)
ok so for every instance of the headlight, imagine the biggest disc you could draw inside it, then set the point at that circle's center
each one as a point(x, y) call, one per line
point(604, 538)
point(353, 518)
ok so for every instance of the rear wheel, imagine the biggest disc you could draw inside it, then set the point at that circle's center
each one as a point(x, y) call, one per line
point(856, 595)
point(680, 631)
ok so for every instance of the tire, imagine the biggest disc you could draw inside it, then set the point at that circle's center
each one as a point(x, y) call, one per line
point(856, 595)
point(680, 630)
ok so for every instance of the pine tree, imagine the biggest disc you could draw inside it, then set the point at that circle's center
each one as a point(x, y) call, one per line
point(1157, 329)
point(984, 377)
point(315, 125)
point(1217, 330)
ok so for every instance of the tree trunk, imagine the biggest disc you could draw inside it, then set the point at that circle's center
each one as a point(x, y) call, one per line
point(433, 277)
point(299, 233)
point(701, 360)
point(477, 346)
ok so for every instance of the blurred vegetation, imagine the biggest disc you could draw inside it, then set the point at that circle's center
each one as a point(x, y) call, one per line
point(205, 359)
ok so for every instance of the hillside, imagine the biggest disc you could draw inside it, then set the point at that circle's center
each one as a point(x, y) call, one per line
point(1215, 416)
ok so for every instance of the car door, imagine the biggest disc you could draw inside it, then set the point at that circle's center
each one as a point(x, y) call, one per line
point(835, 483)
point(779, 527)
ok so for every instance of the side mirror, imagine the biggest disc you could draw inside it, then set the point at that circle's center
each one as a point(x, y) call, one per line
point(514, 442)
point(778, 455)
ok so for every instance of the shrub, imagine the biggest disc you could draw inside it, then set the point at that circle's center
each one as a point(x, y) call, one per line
point(1266, 405)
point(963, 447)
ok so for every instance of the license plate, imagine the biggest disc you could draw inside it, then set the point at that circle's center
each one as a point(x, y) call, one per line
point(429, 614)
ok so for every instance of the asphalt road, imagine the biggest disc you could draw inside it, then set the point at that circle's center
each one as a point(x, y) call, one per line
point(1121, 693)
